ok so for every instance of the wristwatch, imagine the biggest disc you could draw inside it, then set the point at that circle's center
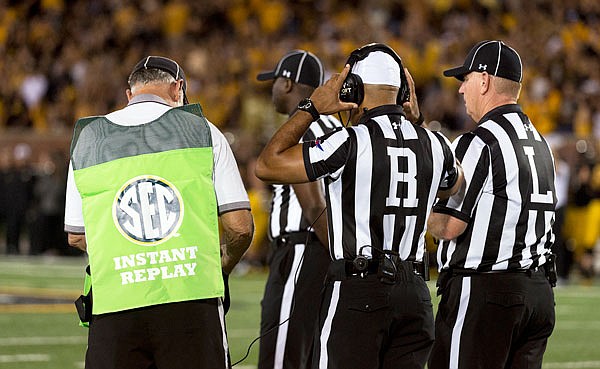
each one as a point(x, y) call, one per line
point(307, 105)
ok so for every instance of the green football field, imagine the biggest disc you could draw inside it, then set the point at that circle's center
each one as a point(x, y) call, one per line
point(38, 323)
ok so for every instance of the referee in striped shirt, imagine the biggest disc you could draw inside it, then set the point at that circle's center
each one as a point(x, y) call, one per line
point(496, 269)
point(382, 176)
point(298, 230)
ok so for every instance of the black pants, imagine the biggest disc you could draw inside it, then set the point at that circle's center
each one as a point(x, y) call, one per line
point(183, 335)
point(293, 291)
point(367, 324)
point(493, 321)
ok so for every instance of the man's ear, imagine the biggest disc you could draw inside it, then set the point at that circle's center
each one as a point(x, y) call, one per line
point(129, 94)
point(288, 85)
point(485, 82)
point(176, 90)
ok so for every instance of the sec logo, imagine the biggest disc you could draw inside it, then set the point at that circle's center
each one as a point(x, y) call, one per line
point(148, 210)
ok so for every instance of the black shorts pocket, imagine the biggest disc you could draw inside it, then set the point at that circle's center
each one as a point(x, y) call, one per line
point(367, 305)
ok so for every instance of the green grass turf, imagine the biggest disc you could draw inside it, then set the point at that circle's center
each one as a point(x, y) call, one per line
point(41, 331)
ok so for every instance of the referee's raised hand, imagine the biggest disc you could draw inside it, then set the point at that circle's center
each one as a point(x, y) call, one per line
point(411, 107)
point(326, 98)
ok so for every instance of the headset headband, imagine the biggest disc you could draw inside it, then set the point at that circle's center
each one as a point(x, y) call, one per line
point(364, 51)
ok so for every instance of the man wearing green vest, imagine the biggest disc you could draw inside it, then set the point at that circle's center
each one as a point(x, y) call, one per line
point(146, 189)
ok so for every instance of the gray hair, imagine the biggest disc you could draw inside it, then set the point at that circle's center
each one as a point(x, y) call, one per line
point(508, 87)
point(150, 75)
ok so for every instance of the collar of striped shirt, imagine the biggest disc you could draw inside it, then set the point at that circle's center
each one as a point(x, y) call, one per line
point(501, 110)
point(381, 110)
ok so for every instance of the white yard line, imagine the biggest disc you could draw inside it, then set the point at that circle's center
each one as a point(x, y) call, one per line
point(573, 365)
point(24, 358)
point(42, 341)
point(577, 324)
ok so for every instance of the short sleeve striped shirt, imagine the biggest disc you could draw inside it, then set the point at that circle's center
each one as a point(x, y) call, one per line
point(509, 199)
point(381, 179)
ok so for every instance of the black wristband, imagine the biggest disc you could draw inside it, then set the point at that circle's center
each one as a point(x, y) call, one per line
point(420, 119)
point(307, 105)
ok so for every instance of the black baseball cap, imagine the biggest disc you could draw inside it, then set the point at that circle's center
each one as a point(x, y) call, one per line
point(165, 64)
point(494, 57)
point(300, 66)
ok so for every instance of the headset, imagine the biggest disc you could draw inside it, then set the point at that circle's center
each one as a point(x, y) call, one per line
point(353, 89)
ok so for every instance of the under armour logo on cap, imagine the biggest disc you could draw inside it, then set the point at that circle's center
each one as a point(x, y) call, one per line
point(493, 57)
point(300, 66)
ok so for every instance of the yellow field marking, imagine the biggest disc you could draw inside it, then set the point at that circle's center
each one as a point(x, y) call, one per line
point(40, 292)
point(37, 308)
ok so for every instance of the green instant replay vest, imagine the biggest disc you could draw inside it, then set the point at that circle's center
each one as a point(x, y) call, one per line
point(149, 209)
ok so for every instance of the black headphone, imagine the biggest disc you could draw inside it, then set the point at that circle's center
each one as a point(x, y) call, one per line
point(353, 89)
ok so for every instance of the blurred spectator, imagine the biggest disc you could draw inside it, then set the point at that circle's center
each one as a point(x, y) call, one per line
point(19, 183)
point(5, 165)
point(562, 250)
point(583, 218)
point(46, 234)
point(56, 53)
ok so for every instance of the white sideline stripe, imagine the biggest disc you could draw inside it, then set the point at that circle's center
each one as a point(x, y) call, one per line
point(42, 341)
point(577, 324)
point(24, 358)
point(572, 365)
point(76, 340)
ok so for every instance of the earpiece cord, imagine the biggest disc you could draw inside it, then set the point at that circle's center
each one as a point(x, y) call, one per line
point(293, 305)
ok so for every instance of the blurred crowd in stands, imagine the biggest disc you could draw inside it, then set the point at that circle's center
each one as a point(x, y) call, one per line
point(63, 59)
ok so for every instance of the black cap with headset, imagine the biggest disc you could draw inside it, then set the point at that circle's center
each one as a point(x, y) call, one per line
point(165, 64)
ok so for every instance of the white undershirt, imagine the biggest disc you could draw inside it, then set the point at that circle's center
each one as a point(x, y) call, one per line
point(229, 188)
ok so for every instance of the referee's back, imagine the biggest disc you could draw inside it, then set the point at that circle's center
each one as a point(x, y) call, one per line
point(385, 173)
point(511, 211)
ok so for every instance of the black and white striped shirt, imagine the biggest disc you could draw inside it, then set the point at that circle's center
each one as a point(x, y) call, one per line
point(381, 178)
point(286, 214)
point(509, 199)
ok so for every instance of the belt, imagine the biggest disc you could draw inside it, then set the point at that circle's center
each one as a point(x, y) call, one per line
point(295, 238)
point(446, 274)
point(468, 272)
point(368, 266)
point(372, 266)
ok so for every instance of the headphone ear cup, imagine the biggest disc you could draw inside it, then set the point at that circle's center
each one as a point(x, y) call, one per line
point(352, 89)
point(404, 92)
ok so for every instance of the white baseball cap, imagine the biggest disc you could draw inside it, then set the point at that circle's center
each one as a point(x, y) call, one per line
point(378, 68)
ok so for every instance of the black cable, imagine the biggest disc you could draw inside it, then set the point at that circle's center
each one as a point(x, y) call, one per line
point(293, 297)
point(342, 121)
